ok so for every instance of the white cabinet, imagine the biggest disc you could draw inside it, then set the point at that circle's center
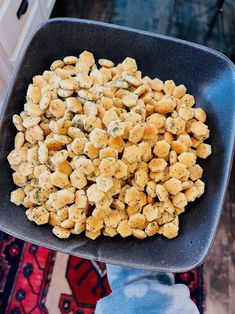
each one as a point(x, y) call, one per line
point(48, 5)
point(14, 31)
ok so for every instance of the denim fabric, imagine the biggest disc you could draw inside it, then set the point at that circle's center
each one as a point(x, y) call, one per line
point(136, 291)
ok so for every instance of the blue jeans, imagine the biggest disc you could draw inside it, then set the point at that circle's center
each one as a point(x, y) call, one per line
point(136, 291)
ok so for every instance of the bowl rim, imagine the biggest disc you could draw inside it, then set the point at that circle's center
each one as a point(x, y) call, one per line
point(107, 25)
point(224, 187)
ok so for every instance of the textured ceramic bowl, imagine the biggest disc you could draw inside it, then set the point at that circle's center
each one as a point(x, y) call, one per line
point(208, 75)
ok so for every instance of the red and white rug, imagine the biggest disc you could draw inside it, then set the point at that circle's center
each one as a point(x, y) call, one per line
point(36, 280)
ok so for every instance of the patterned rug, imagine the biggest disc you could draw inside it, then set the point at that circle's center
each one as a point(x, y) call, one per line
point(35, 280)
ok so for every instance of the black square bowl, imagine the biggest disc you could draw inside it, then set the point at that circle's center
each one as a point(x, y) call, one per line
point(208, 75)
